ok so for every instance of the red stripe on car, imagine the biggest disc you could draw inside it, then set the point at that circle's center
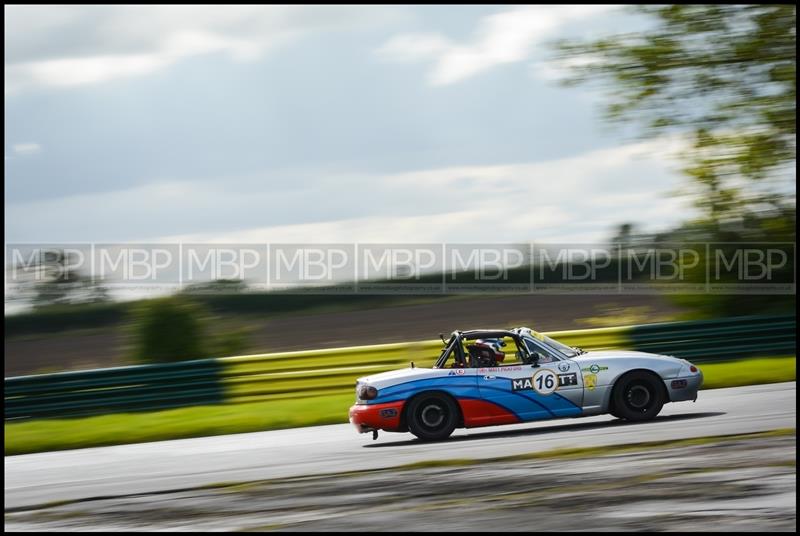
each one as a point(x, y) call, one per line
point(482, 413)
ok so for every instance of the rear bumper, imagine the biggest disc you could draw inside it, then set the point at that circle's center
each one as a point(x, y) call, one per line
point(369, 417)
point(684, 387)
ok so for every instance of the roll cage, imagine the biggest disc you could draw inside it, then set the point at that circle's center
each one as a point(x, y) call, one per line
point(455, 345)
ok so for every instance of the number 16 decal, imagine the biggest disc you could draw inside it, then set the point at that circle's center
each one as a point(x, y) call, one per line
point(545, 382)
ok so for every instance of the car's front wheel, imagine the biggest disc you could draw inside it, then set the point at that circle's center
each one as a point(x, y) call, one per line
point(432, 416)
point(638, 397)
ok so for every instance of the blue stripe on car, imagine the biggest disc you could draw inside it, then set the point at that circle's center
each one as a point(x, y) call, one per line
point(515, 402)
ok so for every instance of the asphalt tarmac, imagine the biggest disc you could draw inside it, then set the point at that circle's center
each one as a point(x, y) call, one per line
point(45, 478)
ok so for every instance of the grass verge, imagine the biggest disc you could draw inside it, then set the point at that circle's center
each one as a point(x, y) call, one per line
point(749, 372)
point(198, 421)
point(121, 428)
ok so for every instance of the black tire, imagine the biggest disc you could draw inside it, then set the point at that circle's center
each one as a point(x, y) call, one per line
point(638, 396)
point(432, 416)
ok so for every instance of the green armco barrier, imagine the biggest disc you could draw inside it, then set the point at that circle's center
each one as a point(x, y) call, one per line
point(288, 375)
point(113, 390)
point(721, 339)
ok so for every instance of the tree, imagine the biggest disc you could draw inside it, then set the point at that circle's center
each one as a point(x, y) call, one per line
point(177, 328)
point(725, 77)
point(722, 77)
point(169, 329)
point(623, 237)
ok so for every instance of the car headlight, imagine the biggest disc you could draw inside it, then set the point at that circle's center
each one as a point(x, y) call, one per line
point(367, 392)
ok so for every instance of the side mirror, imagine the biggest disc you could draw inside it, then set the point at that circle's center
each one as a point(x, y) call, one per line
point(535, 357)
point(441, 336)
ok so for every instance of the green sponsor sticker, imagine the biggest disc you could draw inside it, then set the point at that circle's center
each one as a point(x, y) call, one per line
point(594, 369)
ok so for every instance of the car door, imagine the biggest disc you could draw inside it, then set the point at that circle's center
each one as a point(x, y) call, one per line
point(568, 371)
point(549, 389)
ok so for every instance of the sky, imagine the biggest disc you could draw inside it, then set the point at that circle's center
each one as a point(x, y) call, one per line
point(317, 124)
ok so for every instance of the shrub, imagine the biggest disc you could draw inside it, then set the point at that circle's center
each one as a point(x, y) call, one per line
point(169, 329)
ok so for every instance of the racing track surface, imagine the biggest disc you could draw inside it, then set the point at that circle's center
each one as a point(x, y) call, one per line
point(36, 479)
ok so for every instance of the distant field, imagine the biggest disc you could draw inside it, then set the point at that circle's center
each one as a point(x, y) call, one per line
point(60, 434)
point(352, 324)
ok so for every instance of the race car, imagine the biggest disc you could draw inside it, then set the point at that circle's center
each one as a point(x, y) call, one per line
point(473, 383)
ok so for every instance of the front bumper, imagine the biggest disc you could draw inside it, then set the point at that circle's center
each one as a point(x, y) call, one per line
point(684, 387)
point(369, 417)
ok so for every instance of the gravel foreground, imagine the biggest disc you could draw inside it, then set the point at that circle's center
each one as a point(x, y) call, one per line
point(723, 485)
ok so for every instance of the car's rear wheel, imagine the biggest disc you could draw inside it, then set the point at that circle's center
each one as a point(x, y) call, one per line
point(638, 397)
point(432, 416)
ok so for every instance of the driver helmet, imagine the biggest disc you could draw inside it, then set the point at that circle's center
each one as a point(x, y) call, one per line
point(493, 346)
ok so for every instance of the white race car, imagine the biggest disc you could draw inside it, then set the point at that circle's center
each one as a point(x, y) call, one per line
point(474, 383)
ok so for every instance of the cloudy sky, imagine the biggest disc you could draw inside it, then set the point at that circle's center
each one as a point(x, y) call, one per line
point(315, 124)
